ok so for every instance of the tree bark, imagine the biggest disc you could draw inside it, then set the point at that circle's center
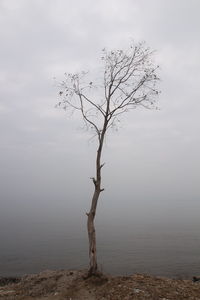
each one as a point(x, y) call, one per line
point(93, 266)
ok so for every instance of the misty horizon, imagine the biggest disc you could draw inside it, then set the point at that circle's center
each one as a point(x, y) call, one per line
point(152, 167)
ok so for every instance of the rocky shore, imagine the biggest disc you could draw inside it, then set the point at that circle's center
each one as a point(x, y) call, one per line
point(72, 285)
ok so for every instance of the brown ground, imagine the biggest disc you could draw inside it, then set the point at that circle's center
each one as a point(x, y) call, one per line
point(70, 285)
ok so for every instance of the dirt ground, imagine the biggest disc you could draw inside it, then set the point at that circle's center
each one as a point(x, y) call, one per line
point(71, 285)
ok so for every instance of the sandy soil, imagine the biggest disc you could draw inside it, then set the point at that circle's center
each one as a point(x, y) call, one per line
point(71, 285)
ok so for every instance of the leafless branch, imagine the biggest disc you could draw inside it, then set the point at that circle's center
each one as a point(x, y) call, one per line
point(129, 80)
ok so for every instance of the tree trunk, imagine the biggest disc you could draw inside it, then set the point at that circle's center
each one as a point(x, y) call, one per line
point(93, 267)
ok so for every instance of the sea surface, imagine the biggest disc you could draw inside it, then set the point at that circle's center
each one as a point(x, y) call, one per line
point(30, 247)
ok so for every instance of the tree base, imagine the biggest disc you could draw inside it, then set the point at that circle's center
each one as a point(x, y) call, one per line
point(96, 279)
point(93, 273)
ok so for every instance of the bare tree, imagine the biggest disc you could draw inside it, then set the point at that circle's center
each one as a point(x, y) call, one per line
point(128, 80)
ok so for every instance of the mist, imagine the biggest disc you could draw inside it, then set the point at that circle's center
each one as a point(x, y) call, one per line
point(152, 167)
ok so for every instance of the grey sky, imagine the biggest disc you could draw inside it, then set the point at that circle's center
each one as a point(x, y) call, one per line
point(152, 166)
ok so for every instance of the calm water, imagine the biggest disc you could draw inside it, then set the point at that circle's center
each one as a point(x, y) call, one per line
point(33, 247)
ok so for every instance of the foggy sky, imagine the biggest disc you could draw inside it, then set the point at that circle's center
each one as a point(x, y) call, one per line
point(152, 165)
